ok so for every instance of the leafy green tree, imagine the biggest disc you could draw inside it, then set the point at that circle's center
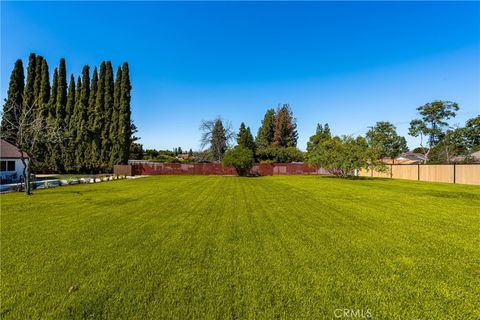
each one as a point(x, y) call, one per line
point(433, 123)
point(285, 129)
point(245, 138)
point(471, 133)
point(340, 155)
point(322, 133)
point(384, 138)
point(136, 151)
point(14, 102)
point(240, 158)
point(279, 155)
point(265, 132)
point(190, 154)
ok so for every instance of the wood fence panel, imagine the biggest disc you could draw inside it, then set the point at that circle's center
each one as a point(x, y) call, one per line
point(381, 174)
point(122, 170)
point(467, 174)
point(364, 173)
point(437, 173)
point(409, 172)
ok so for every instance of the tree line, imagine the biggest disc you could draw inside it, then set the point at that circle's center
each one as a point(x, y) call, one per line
point(91, 113)
point(276, 139)
point(342, 155)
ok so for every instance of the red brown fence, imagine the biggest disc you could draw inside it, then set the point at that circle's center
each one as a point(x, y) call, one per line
point(155, 168)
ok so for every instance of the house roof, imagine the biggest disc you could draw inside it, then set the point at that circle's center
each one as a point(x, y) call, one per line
point(412, 156)
point(8, 150)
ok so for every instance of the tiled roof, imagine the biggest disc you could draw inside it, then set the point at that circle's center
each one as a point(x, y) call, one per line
point(8, 150)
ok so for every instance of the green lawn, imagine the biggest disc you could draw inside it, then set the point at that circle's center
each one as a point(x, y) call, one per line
point(189, 247)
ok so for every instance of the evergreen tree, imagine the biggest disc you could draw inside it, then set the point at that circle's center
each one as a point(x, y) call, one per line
point(265, 132)
point(285, 130)
point(98, 123)
point(13, 102)
point(73, 125)
point(38, 79)
point(53, 96)
point(125, 124)
point(245, 138)
point(115, 122)
point(61, 101)
point(81, 139)
point(219, 141)
point(108, 110)
point(69, 146)
point(29, 90)
point(94, 148)
point(44, 90)
point(49, 159)
point(43, 98)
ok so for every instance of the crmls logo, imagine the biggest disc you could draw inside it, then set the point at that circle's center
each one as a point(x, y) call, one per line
point(352, 313)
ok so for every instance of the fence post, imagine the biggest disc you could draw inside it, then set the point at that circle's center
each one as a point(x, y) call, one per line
point(391, 171)
point(418, 172)
point(454, 172)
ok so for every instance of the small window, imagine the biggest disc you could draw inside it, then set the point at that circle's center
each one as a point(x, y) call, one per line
point(10, 165)
point(3, 166)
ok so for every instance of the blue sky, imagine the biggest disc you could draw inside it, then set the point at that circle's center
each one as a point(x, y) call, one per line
point(346, 63)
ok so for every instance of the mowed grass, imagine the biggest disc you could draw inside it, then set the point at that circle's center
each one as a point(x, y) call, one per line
point(190, 247)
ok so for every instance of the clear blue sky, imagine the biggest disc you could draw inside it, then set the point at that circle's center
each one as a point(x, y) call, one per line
point(348, 64)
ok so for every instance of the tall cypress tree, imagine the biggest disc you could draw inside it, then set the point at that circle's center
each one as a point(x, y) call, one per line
point(82, 126)
point(38, 80)
point(125, 125)
point(108, 110)
point(69, 149)
point(61, 102)
point(99, 119)
point(44, 90)
point(53, 96)
point(14, 101)
point(57, 149)
point(93, 150)
point(29, 90)
point(43, 106)
point(74, 119)
point(115, 123)
point(49, 161)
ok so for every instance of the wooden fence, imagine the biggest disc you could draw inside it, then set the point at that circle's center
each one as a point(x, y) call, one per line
point(450, 173)
point(274, 169)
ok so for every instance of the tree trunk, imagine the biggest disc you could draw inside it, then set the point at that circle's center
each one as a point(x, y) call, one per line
point(26, 175)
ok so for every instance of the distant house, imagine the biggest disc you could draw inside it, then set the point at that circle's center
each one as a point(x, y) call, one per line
point(11, 163)
point(410, 158)
point(472, 157)
point(182, 156)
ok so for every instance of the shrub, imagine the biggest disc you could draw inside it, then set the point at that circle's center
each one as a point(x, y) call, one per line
point(275, 154)
point(240, 158)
